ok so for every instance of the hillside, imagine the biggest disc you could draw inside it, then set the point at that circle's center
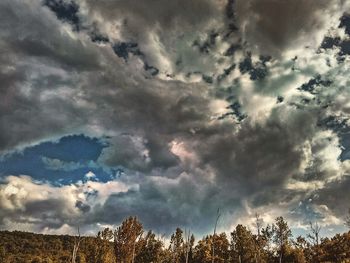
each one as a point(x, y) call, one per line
point(24, 247)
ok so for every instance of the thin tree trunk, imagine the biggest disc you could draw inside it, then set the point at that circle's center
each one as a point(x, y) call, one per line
point(187, 237)
point(216, 223)
point(133, 252)
point(280, 254)
point(76, 247)
point(258, 223)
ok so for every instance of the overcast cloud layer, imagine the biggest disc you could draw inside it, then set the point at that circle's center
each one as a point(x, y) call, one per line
point(193, 106)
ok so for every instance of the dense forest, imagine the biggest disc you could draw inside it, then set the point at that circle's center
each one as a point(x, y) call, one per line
point(129, 243)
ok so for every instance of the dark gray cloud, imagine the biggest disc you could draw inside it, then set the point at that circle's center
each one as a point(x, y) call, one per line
point(272, 26)
point(334, 197)
point(139, 154)
point(159, 13)
point(34, 65)
point(260, 158)
point(157, 200)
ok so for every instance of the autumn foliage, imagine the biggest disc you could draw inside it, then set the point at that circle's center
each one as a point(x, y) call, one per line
point(130, 243)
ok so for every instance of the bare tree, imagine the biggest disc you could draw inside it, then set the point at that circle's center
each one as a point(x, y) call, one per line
point(77, 241)
point(216, 223)
point(258, 225)
point(314, 236)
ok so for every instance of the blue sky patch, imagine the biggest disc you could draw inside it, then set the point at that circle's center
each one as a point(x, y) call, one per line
point(65, 161)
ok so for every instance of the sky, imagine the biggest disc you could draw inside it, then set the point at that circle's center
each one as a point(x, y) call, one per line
point(170, 110)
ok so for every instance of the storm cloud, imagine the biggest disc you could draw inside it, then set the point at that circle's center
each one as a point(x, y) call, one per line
point(194, 105)
point(273, 26)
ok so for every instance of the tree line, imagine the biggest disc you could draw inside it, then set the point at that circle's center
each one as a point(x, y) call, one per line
point(130, 243)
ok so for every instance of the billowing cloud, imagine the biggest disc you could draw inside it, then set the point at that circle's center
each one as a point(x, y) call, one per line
point(272, 26)
point(40, 205)
point(179, 110)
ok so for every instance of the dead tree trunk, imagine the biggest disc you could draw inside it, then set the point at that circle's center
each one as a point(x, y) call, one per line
point(216, 223)
point(187, 238)
point(77, 241)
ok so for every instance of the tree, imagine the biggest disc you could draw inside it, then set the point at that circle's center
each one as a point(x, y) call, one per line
point(104, 238)
point(149, 249)
point(188, 245)
point(133, 246)
point(293, 255)
point(125, 240)
point(2, 252)
point(221, 248)
point(302, 244)
point(266, 240)
point(336, 249)
point(259, 241)
point(191, 253)
point(281, 235)
point(177, 245)
point(314, 237)
point(242, 245)
point(99, 248)
point(203, 250)
point(77, 241)
point(216, 223)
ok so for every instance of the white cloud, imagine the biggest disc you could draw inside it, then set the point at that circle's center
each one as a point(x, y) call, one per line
point(90, 175)
point(44, 207)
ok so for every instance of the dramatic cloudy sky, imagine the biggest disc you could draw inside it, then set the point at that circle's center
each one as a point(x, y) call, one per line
point(169, 110)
